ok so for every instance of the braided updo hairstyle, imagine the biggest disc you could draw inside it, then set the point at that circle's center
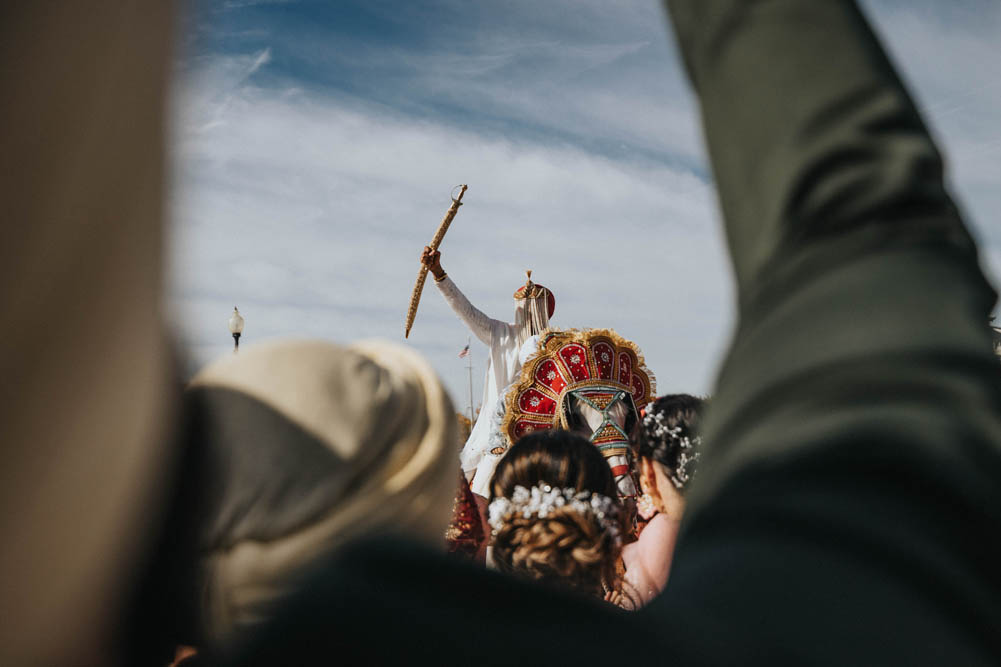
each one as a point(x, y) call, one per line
point(668, 434)
point(569, 547)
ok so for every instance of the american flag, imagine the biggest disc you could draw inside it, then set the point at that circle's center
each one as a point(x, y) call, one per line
point(465, 352)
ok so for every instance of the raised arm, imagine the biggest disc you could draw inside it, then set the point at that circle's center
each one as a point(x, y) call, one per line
point(852, 468)
point(811, 136)
point(483, 327)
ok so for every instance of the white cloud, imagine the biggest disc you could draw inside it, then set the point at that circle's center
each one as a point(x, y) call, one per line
point(600, 75)
point(262, 59)
point(309, 214)
point(308, 209)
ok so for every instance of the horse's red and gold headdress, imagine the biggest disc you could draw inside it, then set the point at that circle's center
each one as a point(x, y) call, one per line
point(571, 361)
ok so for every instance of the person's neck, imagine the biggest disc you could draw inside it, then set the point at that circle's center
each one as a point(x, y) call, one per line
point(672, 502)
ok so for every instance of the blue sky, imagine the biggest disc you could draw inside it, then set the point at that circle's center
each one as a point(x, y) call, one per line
point(315, 143)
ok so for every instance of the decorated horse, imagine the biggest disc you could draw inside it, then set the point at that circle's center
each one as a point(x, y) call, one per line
point(589, 381)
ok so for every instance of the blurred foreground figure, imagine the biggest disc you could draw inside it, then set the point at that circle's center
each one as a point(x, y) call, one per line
point(306, 446)
point(850, 486)
point(84, 398)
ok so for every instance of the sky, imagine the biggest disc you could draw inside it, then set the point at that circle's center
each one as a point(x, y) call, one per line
point(314, 145)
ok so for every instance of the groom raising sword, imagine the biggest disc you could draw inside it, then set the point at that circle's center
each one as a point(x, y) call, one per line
point(534, 305)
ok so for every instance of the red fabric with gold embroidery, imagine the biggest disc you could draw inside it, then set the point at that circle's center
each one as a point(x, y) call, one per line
point(465, 533)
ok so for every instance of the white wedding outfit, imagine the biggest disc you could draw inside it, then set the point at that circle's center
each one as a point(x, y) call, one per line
point(486, 444)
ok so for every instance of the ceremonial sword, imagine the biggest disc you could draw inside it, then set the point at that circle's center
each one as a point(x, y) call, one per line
point(415, 298)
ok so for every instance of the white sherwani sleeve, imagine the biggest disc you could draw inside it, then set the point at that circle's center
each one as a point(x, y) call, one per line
point(495, 335)
point(483, 327)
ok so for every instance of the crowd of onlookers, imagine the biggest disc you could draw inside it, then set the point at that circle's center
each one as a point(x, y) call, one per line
point(289, 507)
point(296, 471)
point(555, 514)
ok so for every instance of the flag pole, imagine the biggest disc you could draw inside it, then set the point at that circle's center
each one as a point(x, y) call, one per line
point(469, 341)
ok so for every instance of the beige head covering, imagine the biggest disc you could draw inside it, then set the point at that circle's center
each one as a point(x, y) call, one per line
point(314, 444)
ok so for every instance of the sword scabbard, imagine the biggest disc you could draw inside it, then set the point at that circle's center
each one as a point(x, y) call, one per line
point(415, 296)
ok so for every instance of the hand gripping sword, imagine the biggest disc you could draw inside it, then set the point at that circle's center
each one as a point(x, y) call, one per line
point(415, 298)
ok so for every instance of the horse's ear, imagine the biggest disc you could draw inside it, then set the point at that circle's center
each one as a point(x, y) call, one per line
point(572, 416)
point(632, 418)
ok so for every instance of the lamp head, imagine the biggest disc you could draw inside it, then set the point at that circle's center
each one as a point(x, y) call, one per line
point(236, 322)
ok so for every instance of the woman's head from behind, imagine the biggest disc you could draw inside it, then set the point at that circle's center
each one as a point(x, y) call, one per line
point(667, 447)
point(308, 445)
point(555, 513)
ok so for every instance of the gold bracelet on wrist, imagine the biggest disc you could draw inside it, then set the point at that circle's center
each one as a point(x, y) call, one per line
point(439, 279)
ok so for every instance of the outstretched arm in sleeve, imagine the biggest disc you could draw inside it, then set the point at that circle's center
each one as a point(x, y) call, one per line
point(852, 461)
point(483, 327)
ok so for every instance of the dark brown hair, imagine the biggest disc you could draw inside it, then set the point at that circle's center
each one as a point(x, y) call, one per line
point(567, 546)
point(668, 434)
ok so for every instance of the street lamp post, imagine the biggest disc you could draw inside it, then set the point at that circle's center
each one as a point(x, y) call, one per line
point(236, 328)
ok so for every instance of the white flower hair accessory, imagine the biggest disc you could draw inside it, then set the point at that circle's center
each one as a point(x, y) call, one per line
point(687, 448)
point(540, 500)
